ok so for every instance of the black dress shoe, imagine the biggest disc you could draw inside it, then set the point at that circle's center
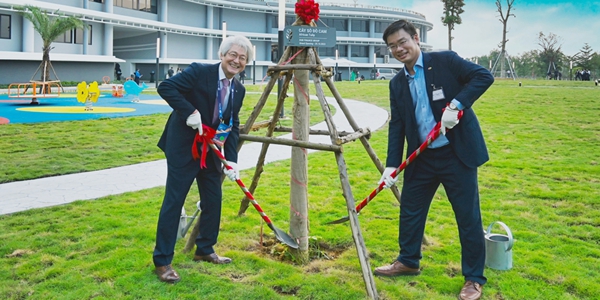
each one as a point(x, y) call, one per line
point(396, 269)
point(213, 258)
point(167, 274)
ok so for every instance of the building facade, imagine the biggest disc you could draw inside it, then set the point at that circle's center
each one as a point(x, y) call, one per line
point(153, 35)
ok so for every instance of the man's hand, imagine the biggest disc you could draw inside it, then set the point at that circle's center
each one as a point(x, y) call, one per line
point(449, 119)
point(195, 121)
point(234, 173)
point(387, 177)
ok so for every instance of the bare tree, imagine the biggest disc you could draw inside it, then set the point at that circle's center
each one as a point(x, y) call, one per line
point(504, 20)
point(452, 11)
point(551, 49)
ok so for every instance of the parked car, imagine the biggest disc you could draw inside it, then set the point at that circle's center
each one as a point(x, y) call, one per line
point(383, 74)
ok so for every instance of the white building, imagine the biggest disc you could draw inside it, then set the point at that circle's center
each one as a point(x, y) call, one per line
point(128, 32)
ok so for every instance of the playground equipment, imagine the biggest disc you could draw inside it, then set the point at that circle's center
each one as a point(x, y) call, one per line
point(117, 91)
point(35, 89)
point(88, 94)
point(132, 88)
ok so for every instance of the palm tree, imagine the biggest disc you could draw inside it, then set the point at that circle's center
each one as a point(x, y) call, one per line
point(49, 28)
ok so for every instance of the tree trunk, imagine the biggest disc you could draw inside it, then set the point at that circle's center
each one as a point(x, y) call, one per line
point(46, 69)
point(449, 37)
point(299, 168)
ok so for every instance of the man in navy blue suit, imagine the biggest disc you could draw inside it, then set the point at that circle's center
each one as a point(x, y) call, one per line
point(434, 87)
point(200, 95)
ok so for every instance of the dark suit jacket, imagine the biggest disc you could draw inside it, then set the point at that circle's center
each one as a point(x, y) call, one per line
point(196, 88)
point(460, 80)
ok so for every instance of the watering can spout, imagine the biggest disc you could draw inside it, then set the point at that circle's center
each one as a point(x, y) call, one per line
point(498, 248)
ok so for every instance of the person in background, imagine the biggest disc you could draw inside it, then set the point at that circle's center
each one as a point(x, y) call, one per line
point(243, 76)
point(118, 71)
point(200, 95)
point(137, 75)
point(435, 87)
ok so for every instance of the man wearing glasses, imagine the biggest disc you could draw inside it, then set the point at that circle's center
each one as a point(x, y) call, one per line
point(434, 87)
point(200, 95)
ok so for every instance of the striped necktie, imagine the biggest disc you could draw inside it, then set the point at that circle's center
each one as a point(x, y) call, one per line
point(222, 94)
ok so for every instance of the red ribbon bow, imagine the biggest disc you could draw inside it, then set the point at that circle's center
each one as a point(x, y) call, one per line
point(307, 10)
point(207, 134)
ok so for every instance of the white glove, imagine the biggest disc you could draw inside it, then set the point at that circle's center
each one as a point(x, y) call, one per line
point(234, 173)
point(387, 178)
point(195, 121)
point(449, 119)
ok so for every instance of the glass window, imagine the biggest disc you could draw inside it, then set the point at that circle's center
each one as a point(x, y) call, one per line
point(143, 5)
point(381, 26)
point(360, 25)
point(359, 51)
point(381, 51)
point(4, 26)
point(327, 51)
point(97, 1)
point(79, 35)
point(66, 37)
point(288, 21)
point(338, 24)
point(342, 51)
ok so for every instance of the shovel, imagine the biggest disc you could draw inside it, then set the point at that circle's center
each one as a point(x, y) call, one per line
point(279, 234)
point(433, 134)
point(185, 224)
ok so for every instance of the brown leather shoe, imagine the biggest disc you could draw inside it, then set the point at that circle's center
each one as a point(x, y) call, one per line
point(213, 258)
point(167, 274)
point(470, 291)
point(396, 269)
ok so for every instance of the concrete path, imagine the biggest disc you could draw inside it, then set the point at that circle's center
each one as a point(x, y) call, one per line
point(51, 191)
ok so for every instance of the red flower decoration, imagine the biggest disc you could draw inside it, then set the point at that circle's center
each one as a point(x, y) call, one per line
point(307, 10)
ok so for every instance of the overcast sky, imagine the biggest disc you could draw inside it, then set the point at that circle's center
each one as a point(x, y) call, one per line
point(575, 22)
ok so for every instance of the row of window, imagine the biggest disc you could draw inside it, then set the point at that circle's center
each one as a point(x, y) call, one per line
point(339, 24)
point(74, 36)
point(143, 5)
point(356, 51)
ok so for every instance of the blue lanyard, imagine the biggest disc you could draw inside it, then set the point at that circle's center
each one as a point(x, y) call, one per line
point(221, 105)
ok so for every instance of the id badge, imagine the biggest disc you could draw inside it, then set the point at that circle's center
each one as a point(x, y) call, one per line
point(221, 134)
point(438, 94)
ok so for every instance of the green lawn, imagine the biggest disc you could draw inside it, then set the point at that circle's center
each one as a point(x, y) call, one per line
point(542, 180)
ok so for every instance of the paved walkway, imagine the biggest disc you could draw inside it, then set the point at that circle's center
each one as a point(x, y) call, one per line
point(51, 191)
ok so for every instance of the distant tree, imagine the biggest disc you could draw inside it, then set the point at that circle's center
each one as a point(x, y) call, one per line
point(551, 52)
point(529, 64)
point(595, 64)
point(584, 56)
point(452, 11)
point(504, 20)
point(49, 28)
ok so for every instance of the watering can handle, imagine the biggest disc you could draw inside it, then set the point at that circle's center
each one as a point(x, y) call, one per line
point(510, 237)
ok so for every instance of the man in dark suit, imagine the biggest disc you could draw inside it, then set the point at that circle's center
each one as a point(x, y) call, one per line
point(200, 95)
point(434, 87)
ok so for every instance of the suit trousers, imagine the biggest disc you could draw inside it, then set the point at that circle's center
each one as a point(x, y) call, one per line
point(179, 181)
point(432, 167)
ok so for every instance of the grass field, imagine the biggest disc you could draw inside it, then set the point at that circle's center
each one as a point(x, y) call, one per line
point(542, 180)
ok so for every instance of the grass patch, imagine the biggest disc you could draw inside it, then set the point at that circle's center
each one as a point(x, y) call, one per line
point(541, 180)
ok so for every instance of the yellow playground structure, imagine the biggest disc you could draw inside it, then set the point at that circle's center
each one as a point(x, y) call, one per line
point(88, 94)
